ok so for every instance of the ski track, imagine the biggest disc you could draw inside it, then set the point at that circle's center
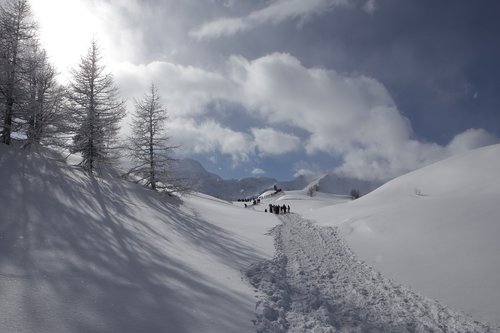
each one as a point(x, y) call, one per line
point(315, 283)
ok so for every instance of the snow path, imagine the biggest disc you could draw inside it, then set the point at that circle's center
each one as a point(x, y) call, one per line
point(316, 284)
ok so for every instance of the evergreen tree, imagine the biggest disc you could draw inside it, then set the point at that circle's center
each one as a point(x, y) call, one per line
point(149, 144)
point(97, 110)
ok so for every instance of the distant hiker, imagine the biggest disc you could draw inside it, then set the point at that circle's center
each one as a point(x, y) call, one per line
point(289, 208)
point(265, 210)
point(270, 207)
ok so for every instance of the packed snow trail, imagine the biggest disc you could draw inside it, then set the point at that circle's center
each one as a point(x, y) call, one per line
point(316, 284)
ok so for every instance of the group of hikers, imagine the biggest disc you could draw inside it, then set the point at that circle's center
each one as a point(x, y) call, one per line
point(277, 209)
point(249, 200)
point(254, 201)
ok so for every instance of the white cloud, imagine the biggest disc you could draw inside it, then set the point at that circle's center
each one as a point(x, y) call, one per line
point(350, 117)
point(186, 90)
point(471, 139)
point(276, 12)
point(273, 142)
point(308, 169)
point(340, 112)
point(258, 172)
point(210, 137)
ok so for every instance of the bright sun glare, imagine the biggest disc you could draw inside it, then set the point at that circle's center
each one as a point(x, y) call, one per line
point(66, 29)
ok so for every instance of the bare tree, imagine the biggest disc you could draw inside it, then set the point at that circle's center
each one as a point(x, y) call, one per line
point(17, 32)
point(97, 110)
point(149, 146)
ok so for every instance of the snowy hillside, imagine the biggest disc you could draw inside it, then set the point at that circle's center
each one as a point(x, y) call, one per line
point(436, 229)
point(85, 254)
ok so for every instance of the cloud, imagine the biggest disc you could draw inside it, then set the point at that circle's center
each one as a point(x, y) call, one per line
point(186, 89)
point(210, 137)
point(276, 12)
point(273, 142)
point(369, 6)
point(348, 116)
point(471, 139)
point(340, 112)
point(352, 118)
point(258, 172)
point(308, 169)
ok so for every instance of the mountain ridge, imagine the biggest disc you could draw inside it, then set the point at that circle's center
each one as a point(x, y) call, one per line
point(201, 180)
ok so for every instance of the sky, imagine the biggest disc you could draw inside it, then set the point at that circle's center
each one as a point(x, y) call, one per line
point(279, 88)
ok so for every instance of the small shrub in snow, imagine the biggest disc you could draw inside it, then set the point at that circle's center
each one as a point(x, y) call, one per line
point(355, 194)
point(312, 189)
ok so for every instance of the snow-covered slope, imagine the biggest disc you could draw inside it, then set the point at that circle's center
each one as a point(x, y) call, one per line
point(436, 229)
point(88, 254)
point(85, 254)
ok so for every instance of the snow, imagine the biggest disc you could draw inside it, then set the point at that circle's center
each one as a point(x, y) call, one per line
point(316, 284)
point(87, 254)
point(98, 254)
point(435, 229)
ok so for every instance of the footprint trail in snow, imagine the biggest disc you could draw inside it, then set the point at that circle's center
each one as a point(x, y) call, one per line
point(316, 284)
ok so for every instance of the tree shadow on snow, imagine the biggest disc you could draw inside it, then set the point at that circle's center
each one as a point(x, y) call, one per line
point(91, 260)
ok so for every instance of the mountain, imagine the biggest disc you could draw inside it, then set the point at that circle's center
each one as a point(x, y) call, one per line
point(231, 189)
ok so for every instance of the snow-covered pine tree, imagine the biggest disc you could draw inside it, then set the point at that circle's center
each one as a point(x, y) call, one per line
point(97, 110)
point(148, 143)
point(17, 33)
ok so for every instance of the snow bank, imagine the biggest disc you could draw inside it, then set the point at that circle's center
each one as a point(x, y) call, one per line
point(436, 229)
point(86, 254)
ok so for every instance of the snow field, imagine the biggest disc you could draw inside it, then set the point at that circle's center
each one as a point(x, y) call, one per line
point(96, 254)
point(316, 284)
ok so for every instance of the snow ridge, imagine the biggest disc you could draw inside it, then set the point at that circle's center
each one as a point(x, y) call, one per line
point(315, 283)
